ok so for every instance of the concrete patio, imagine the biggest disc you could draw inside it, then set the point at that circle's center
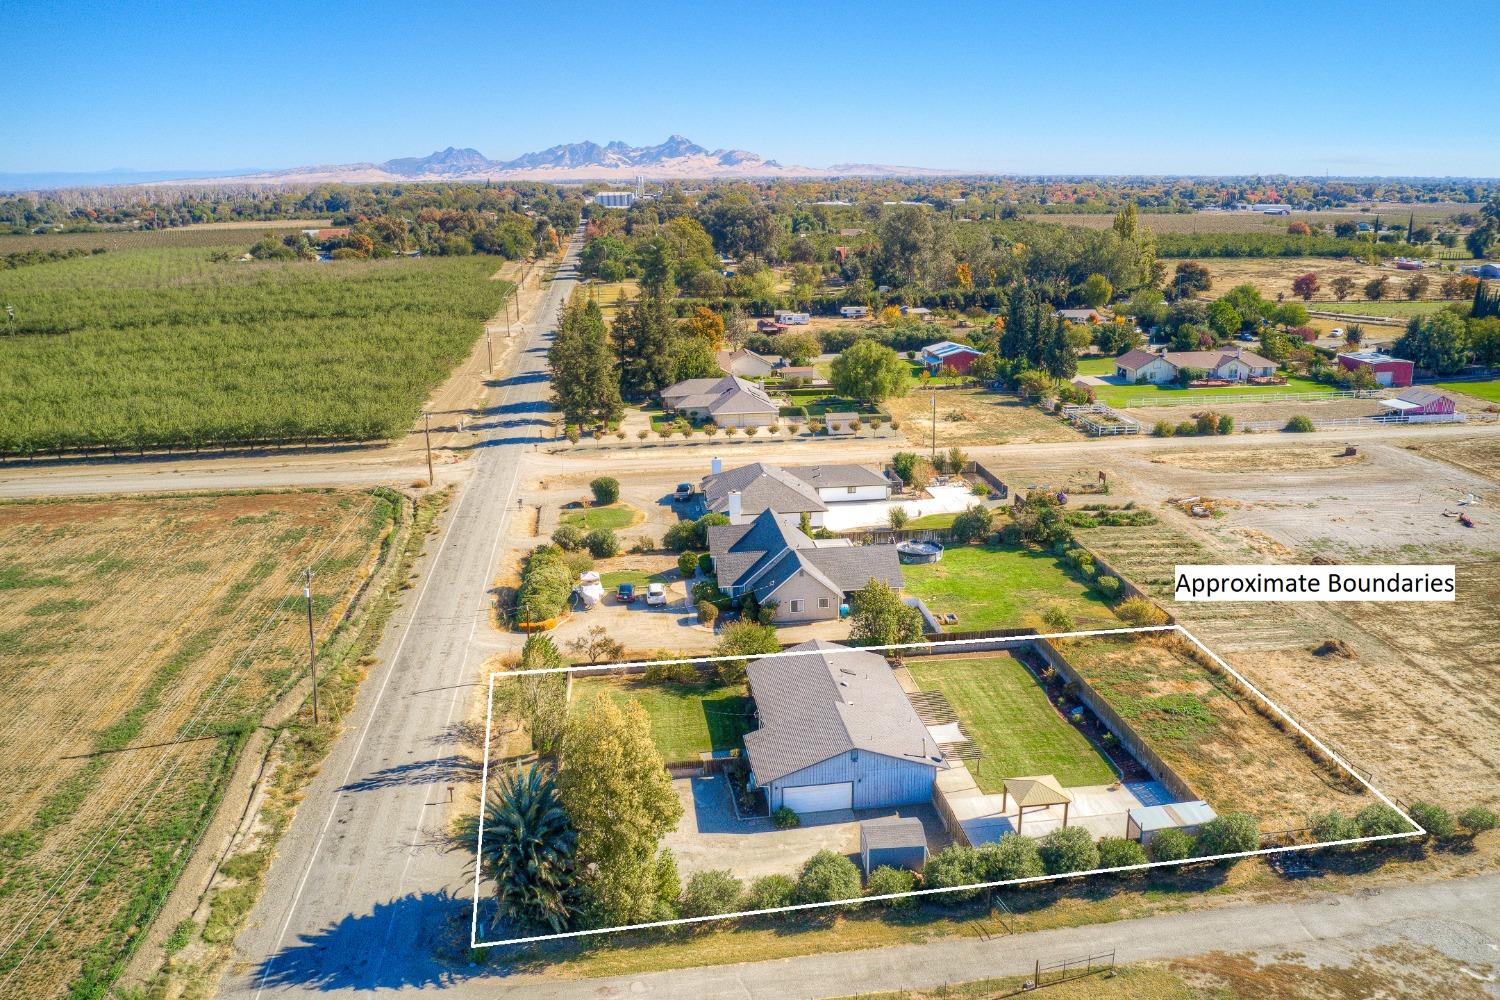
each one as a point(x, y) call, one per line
point(1100, 809)
point(877, 513)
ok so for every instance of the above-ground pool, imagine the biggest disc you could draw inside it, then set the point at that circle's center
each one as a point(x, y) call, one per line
point(919, 552)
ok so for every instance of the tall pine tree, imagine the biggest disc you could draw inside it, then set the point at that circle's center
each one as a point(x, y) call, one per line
point(1020, 324)
point(585, 379)
point(643, 336)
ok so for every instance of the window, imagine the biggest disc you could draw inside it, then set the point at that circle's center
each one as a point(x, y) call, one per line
point(796, 606)
point(851, 489)
point(822, 602)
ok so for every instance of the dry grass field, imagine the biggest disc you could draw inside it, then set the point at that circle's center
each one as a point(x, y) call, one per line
point(143, 640)
point(1255, 222)
point(1211, 733)
point(975, 417)
point(1273, 276)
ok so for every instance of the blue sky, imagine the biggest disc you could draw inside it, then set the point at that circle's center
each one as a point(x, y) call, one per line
point(1303, 88)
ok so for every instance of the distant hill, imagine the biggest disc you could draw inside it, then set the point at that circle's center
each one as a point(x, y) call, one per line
point(677, 157)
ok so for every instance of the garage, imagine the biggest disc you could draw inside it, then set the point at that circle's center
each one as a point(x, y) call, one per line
point(819, 798)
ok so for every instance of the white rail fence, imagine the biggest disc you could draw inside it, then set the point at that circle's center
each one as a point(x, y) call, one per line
point(1263, 396)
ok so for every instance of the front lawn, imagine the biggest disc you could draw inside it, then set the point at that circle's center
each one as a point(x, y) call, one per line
point(1123, 395)
point(614, 517)
point(1008, 715)
point(1487, 391)
point(1096, 366)
point(1401, 308)
point(932, 521)
point(995, 587)
point(686, 720)
point(609, 581)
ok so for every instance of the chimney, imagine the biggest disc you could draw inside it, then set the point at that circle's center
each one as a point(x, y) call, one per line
point(734, 506)
point(716, 466)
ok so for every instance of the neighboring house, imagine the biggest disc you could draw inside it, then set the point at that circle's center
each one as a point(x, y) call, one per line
point(745, 363)
point(807, 578)
point(854, 312)
point(1232, 364)
point(729, 401)
point(1080, 315)
point(768, 326)
point(947, 353)
point(836, 732)
point(917, 311)
point(802, 375)
point(787, 317)
point(1484, 270)
point(790, 491)
point(1420, 403)
point(1387, 369)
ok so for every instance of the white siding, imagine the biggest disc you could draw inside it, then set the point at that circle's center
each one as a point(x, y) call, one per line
point(842, 494)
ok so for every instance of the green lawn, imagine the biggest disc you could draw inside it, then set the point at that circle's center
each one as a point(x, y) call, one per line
point(989, 587)
point(1121, 395)
point(614, 517)
point(1384, 307)
point(1096, 366)
point(685, 720)
point(1487, 391)
point(609, 581)
point(1007, 713)
point(932, 521)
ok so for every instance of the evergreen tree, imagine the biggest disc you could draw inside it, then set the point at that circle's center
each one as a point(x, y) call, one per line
point(585, 380)
point(1020, 324)
point(643, 336)
point(1046, 328)
point(1058, 356)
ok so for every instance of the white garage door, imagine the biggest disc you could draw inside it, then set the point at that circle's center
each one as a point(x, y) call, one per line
point(1384, 378)
point(819, 798)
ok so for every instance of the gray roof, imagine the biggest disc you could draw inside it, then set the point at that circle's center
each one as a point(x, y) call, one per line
point(730, 394)
point(819, 700)
point(892, 831)
point(784, 489)
point(1422, 397)
point(764, 553)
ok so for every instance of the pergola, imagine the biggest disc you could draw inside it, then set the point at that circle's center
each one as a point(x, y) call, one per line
point(1035, 792)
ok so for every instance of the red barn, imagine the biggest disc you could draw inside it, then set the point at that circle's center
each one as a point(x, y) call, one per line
point(1420, 403)
point(1388, 370)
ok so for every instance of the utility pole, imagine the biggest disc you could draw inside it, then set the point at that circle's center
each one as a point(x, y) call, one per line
point(427, 434)
point(312, 652)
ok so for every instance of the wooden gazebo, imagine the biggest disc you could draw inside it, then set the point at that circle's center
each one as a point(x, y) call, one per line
point(1038, 791)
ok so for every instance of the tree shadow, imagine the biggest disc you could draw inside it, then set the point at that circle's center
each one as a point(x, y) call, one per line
point(436, 770)
point(425, 938)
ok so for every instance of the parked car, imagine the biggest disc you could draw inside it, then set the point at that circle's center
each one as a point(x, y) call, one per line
point(656, 593)
point(1337, 331)
point(684, 492)
point(625, 593)
point(1244, 336)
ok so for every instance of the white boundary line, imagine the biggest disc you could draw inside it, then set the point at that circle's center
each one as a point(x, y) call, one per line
point(474, 942)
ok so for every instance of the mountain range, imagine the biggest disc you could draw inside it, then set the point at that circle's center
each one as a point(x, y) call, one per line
point(676, 158)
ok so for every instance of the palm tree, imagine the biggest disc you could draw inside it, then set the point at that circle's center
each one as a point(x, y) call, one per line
point(528, 849)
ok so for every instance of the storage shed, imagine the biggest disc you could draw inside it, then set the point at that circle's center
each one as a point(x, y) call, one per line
point(1146, 822)
point(1420, 403)
point(893, 841)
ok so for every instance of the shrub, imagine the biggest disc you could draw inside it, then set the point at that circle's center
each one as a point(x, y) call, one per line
point(1139, 612)
point(885, 880)
point(1071, 849)
point(1300, 424)
point(972, 525)
point(572, 434)
point(705, 563)
point(569, 537)
point(672, 673)
point(602, 543)
point(606, 490)
point(954, 865)
point(825, 878)
point(898, 517)
point(1231, 833)
point(785, 819)
point(1057, 620)
point(1477, 819)
point(1172, 845)
point(1108, 586)
point(1117, 852)
point(1012, 856)
point(1437, 821)
point(1226, 424)
point(1379, 819)
point(546, 584)
point(769, 891)
point(1162, 429)
point(707, 612)
point(1334, 825)
point(687, 564)
point(711, 893)
point(1187, 428)
point(686, 535)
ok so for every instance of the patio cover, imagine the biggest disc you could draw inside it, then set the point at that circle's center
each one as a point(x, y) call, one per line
point(1037, 790)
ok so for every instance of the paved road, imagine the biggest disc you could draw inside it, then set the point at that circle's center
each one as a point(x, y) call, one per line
point(360, 873)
